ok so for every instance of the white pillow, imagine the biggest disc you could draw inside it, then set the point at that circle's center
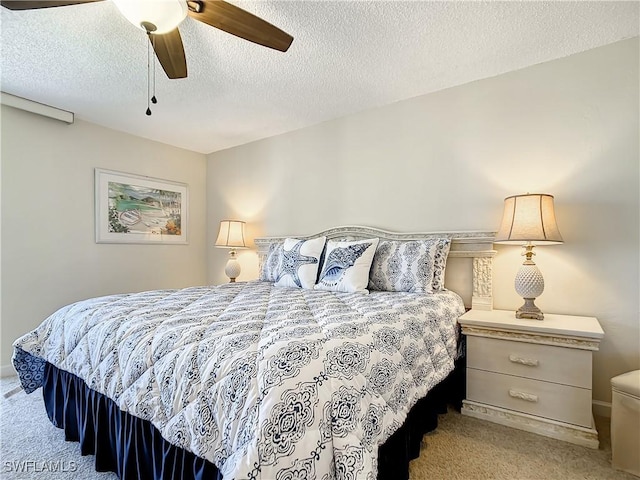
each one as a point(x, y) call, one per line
point(271, 266)
point(346, 266)
point(404, 265)
point(299, 262)
point(440, 262)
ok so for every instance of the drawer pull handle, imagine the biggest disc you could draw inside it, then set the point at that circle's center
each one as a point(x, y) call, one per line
point(530, 362)
point(523, 396)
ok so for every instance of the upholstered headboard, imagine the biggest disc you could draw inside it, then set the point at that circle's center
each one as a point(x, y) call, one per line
point(473, 282)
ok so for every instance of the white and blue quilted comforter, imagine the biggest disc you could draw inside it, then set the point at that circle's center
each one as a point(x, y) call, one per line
point(264, 382)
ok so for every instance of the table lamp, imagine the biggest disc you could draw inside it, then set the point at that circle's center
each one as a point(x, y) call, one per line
point(529, 220)
point(231, 235)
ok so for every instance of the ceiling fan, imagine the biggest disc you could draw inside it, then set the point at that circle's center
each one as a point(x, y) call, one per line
point(160, 20)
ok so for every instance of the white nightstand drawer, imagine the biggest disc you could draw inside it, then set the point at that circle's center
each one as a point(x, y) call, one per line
point(550, 400)
point(568, 366)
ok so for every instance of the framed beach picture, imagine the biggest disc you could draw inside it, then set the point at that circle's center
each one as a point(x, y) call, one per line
point(137, 209)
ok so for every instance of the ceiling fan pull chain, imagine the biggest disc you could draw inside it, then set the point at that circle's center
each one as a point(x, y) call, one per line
point(148, 72)
point(154, 100)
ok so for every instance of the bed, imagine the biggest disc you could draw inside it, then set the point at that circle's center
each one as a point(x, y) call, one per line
point(306, 373)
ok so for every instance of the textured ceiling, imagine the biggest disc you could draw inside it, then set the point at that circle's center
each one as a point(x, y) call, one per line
point(346, 57)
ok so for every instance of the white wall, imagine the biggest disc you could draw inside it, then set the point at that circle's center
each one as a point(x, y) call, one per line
point(446, 160)
point(49, 254)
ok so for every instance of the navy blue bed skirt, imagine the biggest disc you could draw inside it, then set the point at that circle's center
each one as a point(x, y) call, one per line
point(134, 449)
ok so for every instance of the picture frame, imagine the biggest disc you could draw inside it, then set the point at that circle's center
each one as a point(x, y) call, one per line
point(133, 208)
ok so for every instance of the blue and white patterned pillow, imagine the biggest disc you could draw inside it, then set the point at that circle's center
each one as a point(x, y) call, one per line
point(346, 266)
point(440, 262)
point(271, 266)
point(299, 262)
point(404, 266)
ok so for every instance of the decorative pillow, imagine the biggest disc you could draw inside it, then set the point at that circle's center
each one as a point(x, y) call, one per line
point(271, 265)
point(442, 252)
point(346, 266)
point(404, 266)
point(299, 262)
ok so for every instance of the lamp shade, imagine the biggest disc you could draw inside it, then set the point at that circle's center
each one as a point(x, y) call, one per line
point(231, 234)
point(530, 219)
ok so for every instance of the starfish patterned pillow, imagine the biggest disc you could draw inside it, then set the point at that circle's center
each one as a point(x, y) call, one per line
point(346, 266)
point(299, 262)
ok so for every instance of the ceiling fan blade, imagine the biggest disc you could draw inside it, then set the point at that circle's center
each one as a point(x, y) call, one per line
point(33, 4)
point(240, 23)
point(170, 53)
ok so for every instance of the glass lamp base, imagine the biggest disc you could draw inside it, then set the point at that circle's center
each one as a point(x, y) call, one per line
point(529, 310)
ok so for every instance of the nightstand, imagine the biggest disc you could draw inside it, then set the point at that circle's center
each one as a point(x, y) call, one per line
point(530, 374)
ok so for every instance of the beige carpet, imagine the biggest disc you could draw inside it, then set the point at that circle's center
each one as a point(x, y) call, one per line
point(462, 448)
point(465, 448)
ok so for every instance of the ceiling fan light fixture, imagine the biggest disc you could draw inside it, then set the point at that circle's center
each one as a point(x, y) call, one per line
point(153, 16)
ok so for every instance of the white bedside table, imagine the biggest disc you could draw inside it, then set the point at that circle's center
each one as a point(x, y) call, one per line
point(530, 374)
